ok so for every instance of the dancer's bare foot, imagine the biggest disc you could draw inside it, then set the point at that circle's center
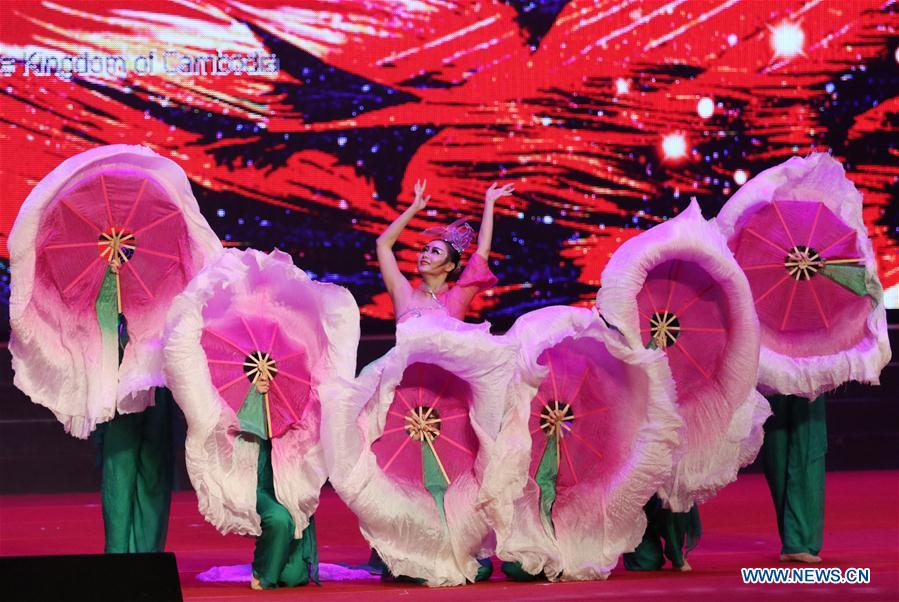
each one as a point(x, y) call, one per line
point(684, 568)
point(254, 584)
point(800, 557)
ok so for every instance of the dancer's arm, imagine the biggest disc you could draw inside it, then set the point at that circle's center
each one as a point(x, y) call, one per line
point(485, 233)
point(390, 271)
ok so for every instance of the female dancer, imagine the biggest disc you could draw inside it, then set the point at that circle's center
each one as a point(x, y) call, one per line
point(438, 260)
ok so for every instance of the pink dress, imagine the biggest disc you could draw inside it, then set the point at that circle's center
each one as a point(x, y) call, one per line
point(410, 302)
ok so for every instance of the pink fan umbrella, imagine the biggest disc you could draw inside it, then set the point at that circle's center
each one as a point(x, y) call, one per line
point(119, 214)
point(783, 248)
point(241, 349)
point(430, 406)
point(576, 402)
point(684, 312)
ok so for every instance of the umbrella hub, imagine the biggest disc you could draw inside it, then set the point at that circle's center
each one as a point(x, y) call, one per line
point(664, 327)
point(803, 262)
point(556, 418)
point(260, 364)
point(116, 243)
point(423, 424)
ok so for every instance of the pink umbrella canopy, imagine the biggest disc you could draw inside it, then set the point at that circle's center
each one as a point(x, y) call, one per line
point(114, 213)
point(409, 444)
point(115, 219)
point(249, 315)
point(683, 312)
point(575, 410)
point(430, 406)
point(798, 233)
point(241, 349)
point(678, 288)
point(795, 255)
point(601, 422)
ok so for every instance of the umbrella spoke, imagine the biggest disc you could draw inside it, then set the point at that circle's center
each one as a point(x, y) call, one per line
point(811, 233)
point(139, 280)
point(693, 361)
point(106, 199)
point(843, 261)
point(294, 377)
point(652, 302)
point(784, 224)
point(81, 216)
point(840, 240)
point(552, 375)
point(174, 258)
point(567, 454)
point(672, 275)
point(397, 452)
point(165, 217)
point(271, 341)
point(396, 415)
point(457, 416)
point(580, 385)
point(593, 411)
point(82, 274)
point(789, 308)
point(421, 368)
point(456, 444)
point(700, 329)
point(396, 393)
point(231, 383)
point(227, 362)
point(589, 445)
point(228, 341)
point(693, 300)
point(290, 356)
point(71, 245)
point(394, 430)
point(536, 430)
point(250, 332)
point(763, 266)
point(763, 239)
point(762, 297)
point(818, 305)
point(140, 194)
point(284, 401)
point(443, 388)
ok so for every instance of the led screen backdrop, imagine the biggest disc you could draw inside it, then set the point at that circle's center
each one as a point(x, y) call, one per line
point(304, 125)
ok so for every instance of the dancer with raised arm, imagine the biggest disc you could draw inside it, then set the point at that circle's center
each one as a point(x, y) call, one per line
point(438, 260)
point(417, 475)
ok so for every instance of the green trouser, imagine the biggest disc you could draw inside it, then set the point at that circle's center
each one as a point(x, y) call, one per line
point(679, 530)
point(138, 467)
point(546, 477)
point(793, 456)
point(279, 560)
point(436, 483)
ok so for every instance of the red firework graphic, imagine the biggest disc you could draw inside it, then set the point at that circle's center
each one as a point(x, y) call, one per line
point(607, 116)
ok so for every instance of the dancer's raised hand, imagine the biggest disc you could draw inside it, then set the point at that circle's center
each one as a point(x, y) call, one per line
point(494, 193)
point(421, 201)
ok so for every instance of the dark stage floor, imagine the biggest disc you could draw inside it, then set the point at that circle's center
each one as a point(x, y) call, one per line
point(862, 530)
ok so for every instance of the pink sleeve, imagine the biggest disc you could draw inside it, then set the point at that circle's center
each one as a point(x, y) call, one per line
point(476, 277)
point(477, 274)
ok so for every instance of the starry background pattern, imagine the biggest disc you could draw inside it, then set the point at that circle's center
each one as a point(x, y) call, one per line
point(607, 116)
